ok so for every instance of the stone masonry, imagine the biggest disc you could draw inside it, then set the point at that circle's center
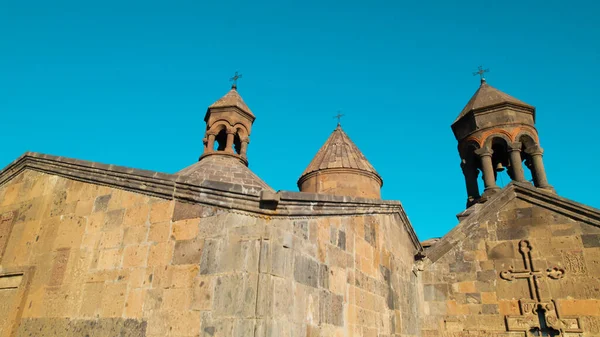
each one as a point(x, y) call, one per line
point(103, 261)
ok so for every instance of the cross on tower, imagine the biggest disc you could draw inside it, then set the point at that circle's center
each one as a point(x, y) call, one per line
point(539, 315)
point(234, 79)
point(339, 118)
point(480, 71)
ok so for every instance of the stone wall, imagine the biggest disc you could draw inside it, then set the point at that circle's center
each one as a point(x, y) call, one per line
point(481, 286)
point(343, 182)
point(79, 259)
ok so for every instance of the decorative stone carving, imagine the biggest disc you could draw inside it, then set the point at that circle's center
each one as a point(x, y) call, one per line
point(538, 315)
point(574, 262)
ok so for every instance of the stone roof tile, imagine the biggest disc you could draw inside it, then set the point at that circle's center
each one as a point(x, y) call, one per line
point(232, 99)
point(225, 169)
point(339, 152)
point(487, 96)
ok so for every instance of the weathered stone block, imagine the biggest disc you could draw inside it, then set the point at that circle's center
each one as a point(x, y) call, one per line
point(188, 251)
point(101, 203)
point(591, 240)
point(331, 308)
point(113, 219)
point(211, 254)
point(203, 293)
point(306, 270)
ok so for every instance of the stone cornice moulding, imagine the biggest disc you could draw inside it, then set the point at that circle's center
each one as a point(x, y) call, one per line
point(212, 193)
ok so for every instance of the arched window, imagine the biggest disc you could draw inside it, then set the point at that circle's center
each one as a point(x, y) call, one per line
point(527, 142)
point(237, 143)
point(221, 140)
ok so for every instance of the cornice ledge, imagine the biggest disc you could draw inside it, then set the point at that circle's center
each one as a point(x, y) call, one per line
point(143, 181)
point(220, 194)
point(557, 203)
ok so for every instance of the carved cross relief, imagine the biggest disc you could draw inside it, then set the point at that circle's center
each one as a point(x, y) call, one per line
point(539, 315)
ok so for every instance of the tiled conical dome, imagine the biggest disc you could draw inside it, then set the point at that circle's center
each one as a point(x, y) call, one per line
point(340, 168)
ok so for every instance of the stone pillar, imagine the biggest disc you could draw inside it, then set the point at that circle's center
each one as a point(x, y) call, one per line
point(210, 144)
point(489, 179)
point(229, 146)
point(470, 171)
point(516, 163)
point(538, 167)
point(244, 147)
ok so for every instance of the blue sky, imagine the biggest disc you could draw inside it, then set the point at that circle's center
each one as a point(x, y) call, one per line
point(128, 83)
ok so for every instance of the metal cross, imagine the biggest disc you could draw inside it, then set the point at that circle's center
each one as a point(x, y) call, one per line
point(234, 79)
point(481, 72)
point(339, 118)
point(530, 273)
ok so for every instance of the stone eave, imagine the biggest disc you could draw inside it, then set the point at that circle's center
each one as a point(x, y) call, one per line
point(373, 175)
point(248, 115)
point(495, 126)
point(468, 226)
point(496, 107)
point(213, 193)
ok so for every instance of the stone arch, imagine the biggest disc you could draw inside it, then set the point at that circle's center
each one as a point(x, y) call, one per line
point(497, 138)
point(219, 125)
point(468, 147)
point(473, 139)
point(499, 144)
point(241, 131)
point(240, 136)
point(526, 139)
point(219, 130)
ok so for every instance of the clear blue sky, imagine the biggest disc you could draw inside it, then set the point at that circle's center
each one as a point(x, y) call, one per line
point(128, 83)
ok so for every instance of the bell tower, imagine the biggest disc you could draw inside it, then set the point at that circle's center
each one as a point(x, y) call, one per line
point(496, 132)
point(228, 125)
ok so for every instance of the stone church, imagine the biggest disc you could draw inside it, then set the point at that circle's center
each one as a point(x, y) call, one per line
point(88, 249)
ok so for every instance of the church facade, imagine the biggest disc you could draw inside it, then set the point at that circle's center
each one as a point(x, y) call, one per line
point(88, 249)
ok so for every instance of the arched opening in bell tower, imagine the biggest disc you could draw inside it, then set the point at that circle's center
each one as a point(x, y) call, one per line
point(237, 143)
point(501, 162)
point(221, 140)
point(527, 142)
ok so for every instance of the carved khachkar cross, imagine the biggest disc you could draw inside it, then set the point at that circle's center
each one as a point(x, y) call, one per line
point(539, 316)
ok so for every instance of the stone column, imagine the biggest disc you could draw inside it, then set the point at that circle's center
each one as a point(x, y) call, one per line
point(516, 163)
point(489, 179)
point(538, 167)
point(470, 171)
point(229, 146)
point(244, 147)
point(210, 144)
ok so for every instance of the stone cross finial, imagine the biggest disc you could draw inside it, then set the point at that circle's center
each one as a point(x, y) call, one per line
point(481, 72)
point(234, 79)
point(339, 118)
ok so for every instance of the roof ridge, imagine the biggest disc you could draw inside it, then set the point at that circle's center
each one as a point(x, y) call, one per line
point(512, 191)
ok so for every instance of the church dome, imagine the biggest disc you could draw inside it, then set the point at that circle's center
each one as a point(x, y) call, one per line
point(339, 168)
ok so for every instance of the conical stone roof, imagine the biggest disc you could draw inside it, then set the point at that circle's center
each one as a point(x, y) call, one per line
point(340, 152)
point(232, 99)
point(487, 96)
point(226, 169)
